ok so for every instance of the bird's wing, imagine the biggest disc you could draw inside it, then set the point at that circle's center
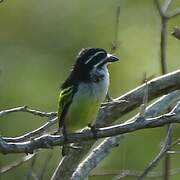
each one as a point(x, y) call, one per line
point(65, 99)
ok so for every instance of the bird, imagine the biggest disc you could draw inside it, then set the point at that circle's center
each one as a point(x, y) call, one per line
point(84, 90)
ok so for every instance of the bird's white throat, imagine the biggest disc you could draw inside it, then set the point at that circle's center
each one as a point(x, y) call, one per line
point(100, 87)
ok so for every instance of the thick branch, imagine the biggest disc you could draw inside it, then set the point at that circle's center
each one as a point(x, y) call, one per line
point(95, 157)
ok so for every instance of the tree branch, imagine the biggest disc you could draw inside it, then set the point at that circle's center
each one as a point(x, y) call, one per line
point(159, 156)
point(28, 110)
point(173, 14)
point(156, 87)
point(100, 152)
point(111, 111)
point(33, 133)
point(95, 157)
point(47, 141)
point(166, 5)
point(108, 113)
point(165, 148)
point(122, 174)
point(165, 16)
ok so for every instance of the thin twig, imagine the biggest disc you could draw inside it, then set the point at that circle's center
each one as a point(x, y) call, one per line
point(28, 110)
point(158, 6)
point(163, 39)
point(37, 132)
point(166, 147)
point(163, 59)
point(145, 101)
point(159, 156)
point(115, 43)
point(173, 14)
point(121, 174)
point(166, 5)
point(173, 152)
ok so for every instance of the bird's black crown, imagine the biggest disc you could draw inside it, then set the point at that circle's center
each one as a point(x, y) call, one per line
point(90, 56)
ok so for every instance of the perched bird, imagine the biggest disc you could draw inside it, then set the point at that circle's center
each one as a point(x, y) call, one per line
point(84, 90)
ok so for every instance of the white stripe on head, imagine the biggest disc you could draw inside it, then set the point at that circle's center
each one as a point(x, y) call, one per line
point(96, 54)
point(107, 56)
point(100, 62)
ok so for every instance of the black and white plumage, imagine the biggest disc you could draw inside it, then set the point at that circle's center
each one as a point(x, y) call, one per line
point(88, 59)
point(85, 89)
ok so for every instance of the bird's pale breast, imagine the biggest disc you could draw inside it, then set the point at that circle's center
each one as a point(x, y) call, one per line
point(86, 103)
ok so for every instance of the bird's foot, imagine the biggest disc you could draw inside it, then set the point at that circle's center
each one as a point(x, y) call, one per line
point(66, 147)
point(57, 132)
point(65, 150)
point(94, 130)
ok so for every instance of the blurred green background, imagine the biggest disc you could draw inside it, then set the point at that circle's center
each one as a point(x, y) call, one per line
point(39, 41)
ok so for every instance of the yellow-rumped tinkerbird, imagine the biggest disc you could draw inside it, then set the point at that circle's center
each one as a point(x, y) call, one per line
point(84, 90)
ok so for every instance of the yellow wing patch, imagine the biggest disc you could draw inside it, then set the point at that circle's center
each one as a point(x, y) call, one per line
point(64, 101)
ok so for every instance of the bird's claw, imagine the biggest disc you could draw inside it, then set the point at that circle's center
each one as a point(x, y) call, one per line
point(94, 130)
point(66, 148)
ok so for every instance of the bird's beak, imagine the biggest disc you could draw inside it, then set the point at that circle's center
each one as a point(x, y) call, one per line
point(111, 58)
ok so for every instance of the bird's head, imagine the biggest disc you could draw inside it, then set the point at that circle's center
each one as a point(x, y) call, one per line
point(89, 61)
point(92, 59)
point(89, 58)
